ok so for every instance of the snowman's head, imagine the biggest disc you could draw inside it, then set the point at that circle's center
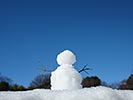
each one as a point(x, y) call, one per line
point(66, 57)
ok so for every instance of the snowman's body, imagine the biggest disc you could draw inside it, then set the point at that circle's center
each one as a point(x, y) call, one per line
point(65, 77)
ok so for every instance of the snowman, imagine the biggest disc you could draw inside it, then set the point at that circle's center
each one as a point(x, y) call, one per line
point(65, 77)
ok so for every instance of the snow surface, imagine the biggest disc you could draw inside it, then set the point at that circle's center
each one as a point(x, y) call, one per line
point(94, 93)
point(65, 77)
point(66, 57)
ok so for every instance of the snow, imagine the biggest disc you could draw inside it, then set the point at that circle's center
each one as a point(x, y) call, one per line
point(94, 93)
point(66, 57)
point(65, 77)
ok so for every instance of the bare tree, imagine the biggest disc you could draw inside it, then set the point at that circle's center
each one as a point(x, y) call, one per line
point(41, 81)
point(5, 79)
point(127, 84)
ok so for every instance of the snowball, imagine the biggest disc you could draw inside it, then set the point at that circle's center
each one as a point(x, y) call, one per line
point(65, 77)
point(66, 57)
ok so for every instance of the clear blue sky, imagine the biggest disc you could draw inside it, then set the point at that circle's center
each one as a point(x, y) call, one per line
point(99, 32)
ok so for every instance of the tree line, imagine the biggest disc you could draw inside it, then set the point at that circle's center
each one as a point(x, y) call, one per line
point(43, 81)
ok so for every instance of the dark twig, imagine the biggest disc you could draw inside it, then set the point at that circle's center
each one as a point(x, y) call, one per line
point(45, 70)
point(84, 69)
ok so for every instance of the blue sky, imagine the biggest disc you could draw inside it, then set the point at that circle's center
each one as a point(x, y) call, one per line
point(99, 32)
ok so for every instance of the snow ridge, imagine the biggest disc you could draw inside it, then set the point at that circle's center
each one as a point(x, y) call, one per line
point(94, 93)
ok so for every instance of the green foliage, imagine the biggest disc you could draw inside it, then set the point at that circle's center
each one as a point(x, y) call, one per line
point(17, 87)
point(4, 86)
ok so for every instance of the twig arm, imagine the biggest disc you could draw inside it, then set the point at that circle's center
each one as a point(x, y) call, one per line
point(84, 69)
point(45, 70)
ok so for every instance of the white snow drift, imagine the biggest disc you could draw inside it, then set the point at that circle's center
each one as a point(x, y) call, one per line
point(65, 77)
point(95, 93)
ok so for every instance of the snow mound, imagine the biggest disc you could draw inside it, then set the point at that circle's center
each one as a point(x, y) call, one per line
point(66, 57)
point(95, 93)
point(65, 77)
